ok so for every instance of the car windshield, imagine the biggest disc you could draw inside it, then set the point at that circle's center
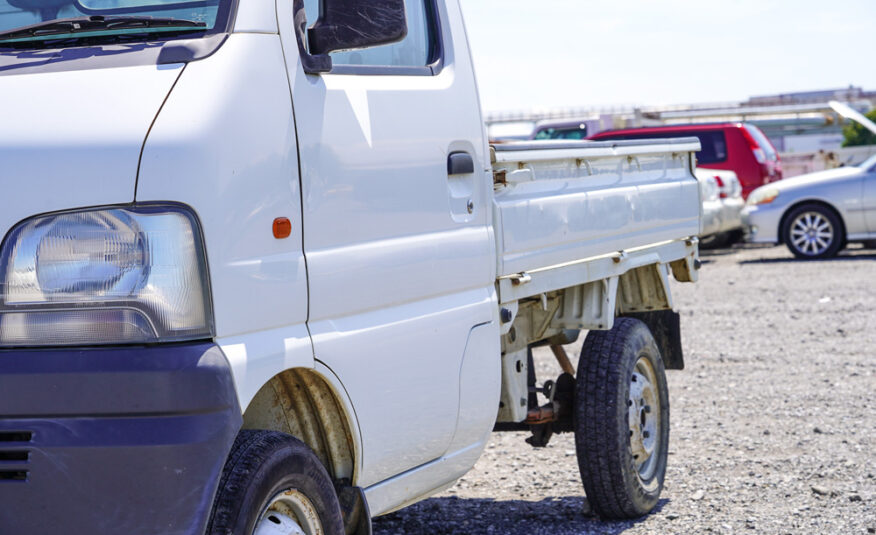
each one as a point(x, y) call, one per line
point(868, 163)
point(575, 132)
point(43, 23)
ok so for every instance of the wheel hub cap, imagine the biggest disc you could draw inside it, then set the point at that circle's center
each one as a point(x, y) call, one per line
point(644, 417)
point(289, 513)
point(811, 233)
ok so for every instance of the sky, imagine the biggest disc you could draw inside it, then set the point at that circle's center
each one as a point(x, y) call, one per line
point(602, 53)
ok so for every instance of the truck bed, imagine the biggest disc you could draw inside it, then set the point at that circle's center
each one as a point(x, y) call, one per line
point(560, 203)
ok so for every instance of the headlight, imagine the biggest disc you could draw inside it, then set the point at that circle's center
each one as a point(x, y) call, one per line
point(762, 196)
point(106, 276)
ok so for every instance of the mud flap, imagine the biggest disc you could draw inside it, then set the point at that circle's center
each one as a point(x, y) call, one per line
point(665, 326)
point(354, 508)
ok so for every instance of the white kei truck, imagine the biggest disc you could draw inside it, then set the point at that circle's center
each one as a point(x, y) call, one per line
point(261, 272)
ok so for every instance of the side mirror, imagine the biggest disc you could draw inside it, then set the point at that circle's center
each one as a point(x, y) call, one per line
point(348, 24)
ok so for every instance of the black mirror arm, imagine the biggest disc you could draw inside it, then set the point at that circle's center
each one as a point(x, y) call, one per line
point(312, 64)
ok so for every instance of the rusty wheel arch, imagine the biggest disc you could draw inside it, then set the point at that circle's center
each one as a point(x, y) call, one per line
point(302, 403)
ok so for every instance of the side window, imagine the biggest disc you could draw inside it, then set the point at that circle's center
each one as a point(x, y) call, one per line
point(714, 147)
point(417, 49)
point(713, 143)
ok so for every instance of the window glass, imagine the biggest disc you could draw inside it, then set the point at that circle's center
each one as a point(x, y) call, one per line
point(17, 13)
point(713, 142)
point(714, 147)
point(412, 51)
point(868, 163)
point(577, 132)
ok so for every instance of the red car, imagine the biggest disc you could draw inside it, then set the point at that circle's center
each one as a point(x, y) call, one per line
point(738, 147)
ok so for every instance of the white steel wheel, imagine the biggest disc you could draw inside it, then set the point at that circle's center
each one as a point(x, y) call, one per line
point(622, 420)
point(289, 513)
point(644, 417)
point(813, 231)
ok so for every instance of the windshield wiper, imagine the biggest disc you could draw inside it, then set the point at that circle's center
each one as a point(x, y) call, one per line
point(99, 24)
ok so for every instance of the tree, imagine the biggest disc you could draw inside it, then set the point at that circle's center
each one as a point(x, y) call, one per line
point(855, 134)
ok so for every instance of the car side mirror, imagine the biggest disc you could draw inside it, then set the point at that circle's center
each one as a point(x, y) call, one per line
point(349, 24)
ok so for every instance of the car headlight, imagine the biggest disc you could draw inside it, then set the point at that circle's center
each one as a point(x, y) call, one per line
point(105, 276)
point(762, 196)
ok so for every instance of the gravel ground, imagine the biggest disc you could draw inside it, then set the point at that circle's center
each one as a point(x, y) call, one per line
point(773, 423)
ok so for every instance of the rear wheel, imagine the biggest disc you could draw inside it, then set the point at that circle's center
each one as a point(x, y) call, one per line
point(622, 420)
point(813, 232)
point(273, 484)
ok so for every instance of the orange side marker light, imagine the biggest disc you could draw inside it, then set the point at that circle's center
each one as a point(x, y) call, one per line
point(282, 228)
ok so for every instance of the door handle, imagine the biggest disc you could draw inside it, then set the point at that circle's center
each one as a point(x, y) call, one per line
point(460, 163)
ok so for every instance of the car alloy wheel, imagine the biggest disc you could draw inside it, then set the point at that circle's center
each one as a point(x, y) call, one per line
point(812, 234)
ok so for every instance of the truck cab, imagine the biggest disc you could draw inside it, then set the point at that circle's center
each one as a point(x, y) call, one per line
point(261, 268)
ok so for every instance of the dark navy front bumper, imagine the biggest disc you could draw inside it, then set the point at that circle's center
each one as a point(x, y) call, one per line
point(113, 441)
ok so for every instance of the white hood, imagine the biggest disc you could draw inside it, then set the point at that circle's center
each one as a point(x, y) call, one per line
point(73, 138)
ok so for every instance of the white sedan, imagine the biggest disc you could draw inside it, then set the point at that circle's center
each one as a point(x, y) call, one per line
point(721, 193)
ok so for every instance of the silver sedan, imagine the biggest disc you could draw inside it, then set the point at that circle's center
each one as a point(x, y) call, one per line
point(816, 214)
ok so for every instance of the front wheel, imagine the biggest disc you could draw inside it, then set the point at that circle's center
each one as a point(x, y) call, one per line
point(813, 232)
point(622, 420)
point(273, 484)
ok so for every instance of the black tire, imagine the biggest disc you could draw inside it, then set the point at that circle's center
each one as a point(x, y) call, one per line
point(806, 241)
point(261, 465)
point(735, 236)
point(722, 239)
point(713, 241)
point(611, 475)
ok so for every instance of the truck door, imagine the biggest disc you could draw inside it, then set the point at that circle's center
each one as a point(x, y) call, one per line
point(399, 251)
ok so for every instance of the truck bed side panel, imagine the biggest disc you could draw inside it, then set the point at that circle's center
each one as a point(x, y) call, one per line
point(553, 211)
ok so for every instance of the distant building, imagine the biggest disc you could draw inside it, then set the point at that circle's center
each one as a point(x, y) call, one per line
point(798, 122)
point(847, 94)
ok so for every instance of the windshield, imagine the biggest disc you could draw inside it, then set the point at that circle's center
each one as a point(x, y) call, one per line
point(868, 163)
point(31, 23)
point(576, 132)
